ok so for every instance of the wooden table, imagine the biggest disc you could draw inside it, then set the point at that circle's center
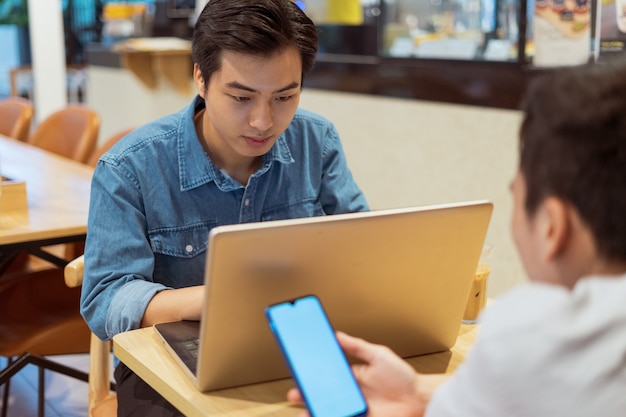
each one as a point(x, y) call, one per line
point(144, 353)
point(57, 190)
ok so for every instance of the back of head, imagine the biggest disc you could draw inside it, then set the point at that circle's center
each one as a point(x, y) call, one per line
point(573, 146)
point(256, 27)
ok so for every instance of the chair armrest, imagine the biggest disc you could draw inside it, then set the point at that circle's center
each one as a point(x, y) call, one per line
point(74, 272)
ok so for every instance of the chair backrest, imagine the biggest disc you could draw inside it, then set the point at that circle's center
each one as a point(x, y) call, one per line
point(71, 132)
point(101, 402)
point(108, 144)
point(16, 115)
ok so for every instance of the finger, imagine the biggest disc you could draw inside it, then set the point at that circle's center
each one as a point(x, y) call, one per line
point(360, 372)
point(356, 347)
point(294, 396)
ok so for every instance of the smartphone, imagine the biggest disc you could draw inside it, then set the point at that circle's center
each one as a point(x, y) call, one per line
point(315, 358)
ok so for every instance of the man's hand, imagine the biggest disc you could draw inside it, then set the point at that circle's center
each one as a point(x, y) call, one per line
point(390, 385)
point(174, 305)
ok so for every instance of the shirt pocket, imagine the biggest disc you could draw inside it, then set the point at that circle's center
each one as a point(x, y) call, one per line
point(309, 207)
point(183, 241)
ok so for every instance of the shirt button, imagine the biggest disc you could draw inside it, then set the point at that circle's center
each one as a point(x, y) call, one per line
point(247, 202)
point(188, 248)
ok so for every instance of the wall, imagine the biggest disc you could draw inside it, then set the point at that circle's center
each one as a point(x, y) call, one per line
point(407, 152)
point(402, 152)
point(123, 101)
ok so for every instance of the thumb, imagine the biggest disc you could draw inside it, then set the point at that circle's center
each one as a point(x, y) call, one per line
point(356, 347)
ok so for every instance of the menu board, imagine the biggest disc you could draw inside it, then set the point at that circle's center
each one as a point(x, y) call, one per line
point(562, 32)
point(612, 26)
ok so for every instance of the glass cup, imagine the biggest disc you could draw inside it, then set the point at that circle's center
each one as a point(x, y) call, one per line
point(478, 294)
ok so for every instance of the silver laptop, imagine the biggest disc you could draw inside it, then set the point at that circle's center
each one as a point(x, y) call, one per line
point(397, 277)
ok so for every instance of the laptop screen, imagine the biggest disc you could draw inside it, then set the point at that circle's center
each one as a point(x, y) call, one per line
point(396, 277)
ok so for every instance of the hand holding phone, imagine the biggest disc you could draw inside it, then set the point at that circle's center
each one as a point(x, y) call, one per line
point(316, 361)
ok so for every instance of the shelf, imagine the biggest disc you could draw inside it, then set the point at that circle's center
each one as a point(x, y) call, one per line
point(152, 58)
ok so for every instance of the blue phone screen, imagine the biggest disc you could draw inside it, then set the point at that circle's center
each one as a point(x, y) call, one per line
point(316, 360)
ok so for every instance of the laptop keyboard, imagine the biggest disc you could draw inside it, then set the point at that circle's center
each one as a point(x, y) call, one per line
point(192, 347)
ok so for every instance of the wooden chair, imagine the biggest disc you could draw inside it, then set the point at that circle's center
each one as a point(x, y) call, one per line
point(16, 115)
point(71, 132)
point(39, 317)
point(102, 402)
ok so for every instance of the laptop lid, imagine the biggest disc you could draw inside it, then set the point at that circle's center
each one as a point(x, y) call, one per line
point(397, 277)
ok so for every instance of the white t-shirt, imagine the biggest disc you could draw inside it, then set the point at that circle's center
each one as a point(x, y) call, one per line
point(543, 351)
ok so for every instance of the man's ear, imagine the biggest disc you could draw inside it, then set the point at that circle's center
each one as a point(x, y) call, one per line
point(198, 80)
point(555, 227)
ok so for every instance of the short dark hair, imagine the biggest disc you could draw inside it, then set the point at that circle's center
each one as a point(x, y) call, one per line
point(573, 146)
point(260, 27)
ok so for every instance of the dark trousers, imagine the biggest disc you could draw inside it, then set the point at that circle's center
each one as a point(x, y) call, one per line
point(135, 398)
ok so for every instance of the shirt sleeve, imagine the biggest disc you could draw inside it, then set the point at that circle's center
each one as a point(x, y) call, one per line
point(339, 193)
point(119, 262)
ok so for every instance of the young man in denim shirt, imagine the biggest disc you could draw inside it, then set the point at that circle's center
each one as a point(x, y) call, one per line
point(241, 152)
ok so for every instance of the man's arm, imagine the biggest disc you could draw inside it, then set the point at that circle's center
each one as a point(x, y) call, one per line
point(174, 305)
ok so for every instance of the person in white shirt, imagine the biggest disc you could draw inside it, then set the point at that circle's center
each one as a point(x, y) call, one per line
point(555, 346)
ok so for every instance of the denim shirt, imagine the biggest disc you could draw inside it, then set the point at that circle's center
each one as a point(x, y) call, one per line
point(156, 195)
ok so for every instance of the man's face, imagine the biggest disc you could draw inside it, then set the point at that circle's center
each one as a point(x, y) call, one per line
point(250, 102)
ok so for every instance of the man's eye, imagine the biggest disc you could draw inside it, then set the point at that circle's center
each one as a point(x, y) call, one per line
point(240, 99)
point(284, 98)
